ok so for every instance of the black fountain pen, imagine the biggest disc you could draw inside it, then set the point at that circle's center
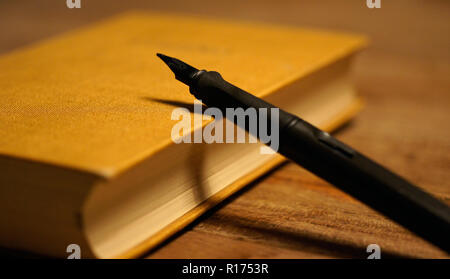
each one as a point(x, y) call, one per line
point(330, 159)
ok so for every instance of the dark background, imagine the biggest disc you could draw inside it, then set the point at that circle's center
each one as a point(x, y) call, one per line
point(404, 78)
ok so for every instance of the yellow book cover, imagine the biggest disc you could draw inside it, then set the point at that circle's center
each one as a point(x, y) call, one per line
point(85, 124)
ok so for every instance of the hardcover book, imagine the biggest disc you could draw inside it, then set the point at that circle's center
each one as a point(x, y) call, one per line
point(86, 154)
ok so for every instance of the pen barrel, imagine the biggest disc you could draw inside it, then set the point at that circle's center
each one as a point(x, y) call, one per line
point(367, 181)
point(337, 163)
point(214, 91)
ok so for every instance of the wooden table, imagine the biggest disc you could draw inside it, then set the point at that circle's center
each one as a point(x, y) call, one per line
point(290, 213)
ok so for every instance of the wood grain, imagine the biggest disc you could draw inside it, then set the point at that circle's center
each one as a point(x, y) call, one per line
point(290, 213)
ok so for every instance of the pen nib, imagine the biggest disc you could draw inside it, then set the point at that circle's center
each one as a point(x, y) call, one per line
point(183, 72)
